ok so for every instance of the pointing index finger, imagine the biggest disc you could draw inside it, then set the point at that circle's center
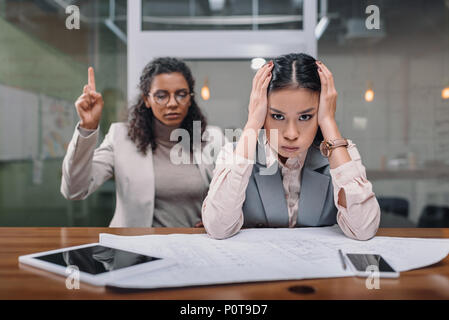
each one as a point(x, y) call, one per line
point(91, 79)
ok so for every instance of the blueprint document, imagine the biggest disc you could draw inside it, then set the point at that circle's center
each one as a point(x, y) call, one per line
point(266, 255)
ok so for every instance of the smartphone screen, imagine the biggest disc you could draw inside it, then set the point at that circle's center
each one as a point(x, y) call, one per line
point(362, 261)
point(97, 259)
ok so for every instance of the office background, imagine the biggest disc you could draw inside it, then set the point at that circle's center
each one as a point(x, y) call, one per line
point(402, 132)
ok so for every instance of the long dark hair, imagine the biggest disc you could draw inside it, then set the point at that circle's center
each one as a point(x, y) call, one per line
point(296, 70)
point(140, 129)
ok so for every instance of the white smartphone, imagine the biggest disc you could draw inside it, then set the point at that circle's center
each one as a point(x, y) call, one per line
point(365, 264)
point(97, 264)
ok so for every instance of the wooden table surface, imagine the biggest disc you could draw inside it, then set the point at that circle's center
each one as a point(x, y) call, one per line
point(18, 281)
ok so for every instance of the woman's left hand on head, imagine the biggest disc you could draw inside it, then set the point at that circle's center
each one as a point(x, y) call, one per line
point(328, 95)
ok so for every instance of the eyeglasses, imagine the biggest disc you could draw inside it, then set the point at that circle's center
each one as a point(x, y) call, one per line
point(162, 97)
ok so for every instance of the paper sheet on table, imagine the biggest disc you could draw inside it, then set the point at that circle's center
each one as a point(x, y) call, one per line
point(266, 254)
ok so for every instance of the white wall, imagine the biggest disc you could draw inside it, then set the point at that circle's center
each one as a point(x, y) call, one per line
point(230, 87)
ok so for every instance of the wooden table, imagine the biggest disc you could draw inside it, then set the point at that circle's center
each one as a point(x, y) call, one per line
point(24, 282)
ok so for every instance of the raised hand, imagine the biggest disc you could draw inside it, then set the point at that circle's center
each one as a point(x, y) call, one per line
point(328, 95)
point(258, 100)
point(90, 104)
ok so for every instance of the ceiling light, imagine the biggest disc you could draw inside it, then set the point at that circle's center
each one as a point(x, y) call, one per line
point(257, 63)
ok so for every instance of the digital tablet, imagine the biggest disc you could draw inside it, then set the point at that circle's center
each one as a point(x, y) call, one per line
point(97, 264)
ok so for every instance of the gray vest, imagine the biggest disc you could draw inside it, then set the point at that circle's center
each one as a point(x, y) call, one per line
point(266, 206)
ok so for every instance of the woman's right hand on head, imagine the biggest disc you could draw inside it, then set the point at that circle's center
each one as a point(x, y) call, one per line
point(258, 100)
point(90, 104)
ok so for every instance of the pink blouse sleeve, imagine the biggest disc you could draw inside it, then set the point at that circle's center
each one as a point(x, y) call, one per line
point(361, 217)
point(222, 213)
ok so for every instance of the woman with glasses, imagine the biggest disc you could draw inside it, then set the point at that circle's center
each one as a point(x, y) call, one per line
point(301, 172)
point(161, 166)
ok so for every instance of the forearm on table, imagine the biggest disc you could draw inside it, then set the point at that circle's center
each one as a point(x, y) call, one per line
point(222, 212)
point(222, 208)
point(246, 146)
point(358, 209)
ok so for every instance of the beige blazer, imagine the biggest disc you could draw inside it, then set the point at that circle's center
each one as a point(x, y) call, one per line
point(85, 168)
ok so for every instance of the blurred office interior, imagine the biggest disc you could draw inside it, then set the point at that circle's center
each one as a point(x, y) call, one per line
point(393, 86)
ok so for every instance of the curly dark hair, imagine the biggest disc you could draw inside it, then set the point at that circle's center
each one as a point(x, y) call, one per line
point(140, 129)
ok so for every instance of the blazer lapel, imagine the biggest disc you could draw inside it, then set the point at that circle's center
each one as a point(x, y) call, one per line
point(271, 190)
point(314, 187)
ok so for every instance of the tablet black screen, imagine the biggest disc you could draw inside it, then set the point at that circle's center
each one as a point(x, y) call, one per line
point(97, 259)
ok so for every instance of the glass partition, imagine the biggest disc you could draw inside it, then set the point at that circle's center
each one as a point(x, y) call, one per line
point(221, 15)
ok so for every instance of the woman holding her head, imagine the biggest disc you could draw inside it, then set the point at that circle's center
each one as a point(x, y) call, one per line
point(305, 175)
point(152, 190)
